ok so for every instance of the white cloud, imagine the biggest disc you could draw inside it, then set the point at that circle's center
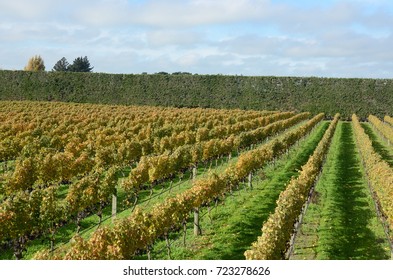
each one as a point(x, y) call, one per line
point(253, 37)
point(171, 13)
point(188, 60)
point(25, 9)
point(163, 37)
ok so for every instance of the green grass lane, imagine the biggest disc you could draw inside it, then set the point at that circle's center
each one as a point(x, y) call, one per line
point(341, 220)
point(236, 222)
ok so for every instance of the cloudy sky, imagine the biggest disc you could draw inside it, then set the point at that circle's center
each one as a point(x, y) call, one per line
point(328, 38)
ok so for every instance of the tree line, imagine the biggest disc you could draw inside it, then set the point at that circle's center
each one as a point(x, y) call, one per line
point(80, 64)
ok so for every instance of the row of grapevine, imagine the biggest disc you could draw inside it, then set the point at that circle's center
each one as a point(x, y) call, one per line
point(44, 166)
point(47, 166)
point(88, 192)
point(28, 214)
point(155, 168)
point(388, 120)
point(384, 129)
point(37, 173)
point(140, 230)
point(379, 173)
point(277, 230)
point(171, 142)
point(50, 167)
point(57, 126)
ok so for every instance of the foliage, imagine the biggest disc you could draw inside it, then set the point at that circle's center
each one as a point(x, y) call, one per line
point(385, 129)
point(388, 120)
point(378, 171)
point(36, 63)
point(82, 147)
point(158, 167)
point(62, 65)
point(141, 229)
point(80, 64)
point(277, 230)
point(315, 95)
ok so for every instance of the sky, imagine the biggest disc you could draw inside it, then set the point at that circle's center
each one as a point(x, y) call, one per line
point(350, 38)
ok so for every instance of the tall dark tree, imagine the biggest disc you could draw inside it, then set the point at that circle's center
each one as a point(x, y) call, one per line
point(81, 64)
point(62, 65)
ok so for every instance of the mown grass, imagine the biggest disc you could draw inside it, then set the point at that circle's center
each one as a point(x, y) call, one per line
point(236, 222)
point(341, 221)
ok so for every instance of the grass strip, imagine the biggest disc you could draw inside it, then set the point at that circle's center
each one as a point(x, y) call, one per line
point(341, 222)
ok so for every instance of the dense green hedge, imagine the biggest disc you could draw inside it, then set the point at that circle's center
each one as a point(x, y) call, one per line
point(328, 95)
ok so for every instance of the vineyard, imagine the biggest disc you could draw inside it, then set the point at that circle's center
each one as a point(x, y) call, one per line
point(84, 181)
